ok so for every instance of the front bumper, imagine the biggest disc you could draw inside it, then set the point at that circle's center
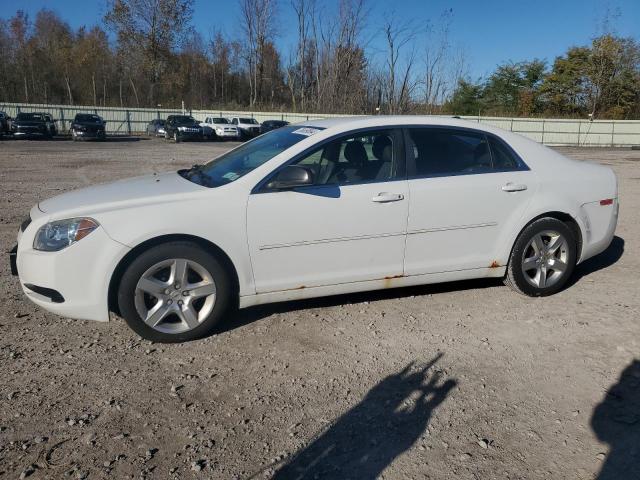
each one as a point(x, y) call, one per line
point(73, 282)
point(28, 133)
point(90, 134)
point(228, 135)
point(13, 260)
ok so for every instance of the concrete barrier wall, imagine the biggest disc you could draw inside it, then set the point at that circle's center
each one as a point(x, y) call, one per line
point(569, 132)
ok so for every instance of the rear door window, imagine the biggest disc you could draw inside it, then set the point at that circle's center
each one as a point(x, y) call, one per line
point(443, 152)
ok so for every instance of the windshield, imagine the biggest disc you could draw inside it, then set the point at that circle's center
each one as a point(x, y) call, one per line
point(29, 117)
point(242, 160)
point(248, 120)
point(88, 118)
point(220, 120)
point(183, 120)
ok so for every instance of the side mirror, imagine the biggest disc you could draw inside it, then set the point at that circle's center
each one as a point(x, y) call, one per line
point(291, 176)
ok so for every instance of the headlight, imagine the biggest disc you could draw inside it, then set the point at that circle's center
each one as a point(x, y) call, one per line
point(182, 129)
point(55, 236)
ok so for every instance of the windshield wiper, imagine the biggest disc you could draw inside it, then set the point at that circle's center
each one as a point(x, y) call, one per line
point(195, 175)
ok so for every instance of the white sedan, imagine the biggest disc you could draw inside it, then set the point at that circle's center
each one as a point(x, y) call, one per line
point(321, 208)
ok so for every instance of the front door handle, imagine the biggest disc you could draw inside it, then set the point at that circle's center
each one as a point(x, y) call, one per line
point(385, 197)
point(513, 187)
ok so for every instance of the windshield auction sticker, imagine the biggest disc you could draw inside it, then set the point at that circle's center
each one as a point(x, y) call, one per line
point(307, 132)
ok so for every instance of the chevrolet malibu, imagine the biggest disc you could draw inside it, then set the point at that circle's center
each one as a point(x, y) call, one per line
point(321, 208)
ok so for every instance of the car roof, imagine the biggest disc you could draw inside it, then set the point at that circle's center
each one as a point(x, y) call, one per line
point(389, 120)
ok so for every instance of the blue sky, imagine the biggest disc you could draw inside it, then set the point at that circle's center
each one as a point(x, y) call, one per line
point(489, 31)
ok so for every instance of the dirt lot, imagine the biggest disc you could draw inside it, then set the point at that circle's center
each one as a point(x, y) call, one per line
point(459, 381)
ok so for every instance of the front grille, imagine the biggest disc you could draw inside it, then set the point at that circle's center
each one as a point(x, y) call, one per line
point(25, 223)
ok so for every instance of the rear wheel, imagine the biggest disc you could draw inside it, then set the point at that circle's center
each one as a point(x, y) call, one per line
point(174, 292)
point(542, 259)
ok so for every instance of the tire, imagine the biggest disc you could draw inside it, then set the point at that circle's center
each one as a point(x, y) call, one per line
point(166, 136)
point(176, 137)
point(542, 259)
point(180, 316)
point(74, 137)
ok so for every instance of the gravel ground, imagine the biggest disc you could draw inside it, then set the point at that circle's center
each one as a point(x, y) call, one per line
point(459, 381)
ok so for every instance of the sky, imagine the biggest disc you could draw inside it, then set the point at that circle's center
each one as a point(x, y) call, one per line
point(488, 31)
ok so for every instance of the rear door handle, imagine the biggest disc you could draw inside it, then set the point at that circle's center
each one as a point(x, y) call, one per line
point(385, 197)
point(513, 187)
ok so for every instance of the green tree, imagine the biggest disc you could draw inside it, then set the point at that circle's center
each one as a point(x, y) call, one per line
point(466, 99)
point(513, 88)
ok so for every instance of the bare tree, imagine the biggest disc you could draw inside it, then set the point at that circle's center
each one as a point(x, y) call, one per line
point(156, 27)
point(397, 80)
point(257, 18)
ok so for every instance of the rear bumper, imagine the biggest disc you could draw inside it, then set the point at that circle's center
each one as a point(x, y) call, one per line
point(600, 222)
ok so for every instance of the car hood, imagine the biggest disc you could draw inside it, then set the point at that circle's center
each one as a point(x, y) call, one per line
point(131, 192)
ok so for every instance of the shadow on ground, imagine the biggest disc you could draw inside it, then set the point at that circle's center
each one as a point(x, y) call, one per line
point(370, 436)
point(249, 315)
point(610, 256)
point(616, 421)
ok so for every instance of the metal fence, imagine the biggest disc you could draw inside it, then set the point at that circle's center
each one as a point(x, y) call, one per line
point(565, 132)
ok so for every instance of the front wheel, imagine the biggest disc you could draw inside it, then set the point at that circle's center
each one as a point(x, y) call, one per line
point(176, 137)
point(542, 259)
point(174, 292)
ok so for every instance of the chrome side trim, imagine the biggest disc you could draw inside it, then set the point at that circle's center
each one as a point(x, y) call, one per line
point(369, 237)
point(329, 240)
point(453, 227)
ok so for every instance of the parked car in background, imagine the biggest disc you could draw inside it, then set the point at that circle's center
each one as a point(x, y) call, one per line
point(155, 128)
point(249, 127)
point(222, 128)
point(269, 125)
point(182, 127)
point(4, 123)
point(31, 125)
point(51, 124)
point(88, 125)
point(326, 207)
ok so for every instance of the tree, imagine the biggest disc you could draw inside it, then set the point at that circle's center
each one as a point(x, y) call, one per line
point(513, 88)
point(154, 27)
point(466, 99)
point(258, 25)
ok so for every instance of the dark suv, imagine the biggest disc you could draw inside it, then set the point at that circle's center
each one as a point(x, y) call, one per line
point(269, 125)
point(4, 123)
point(31, 125)
point(182, 127)
point(88, 125)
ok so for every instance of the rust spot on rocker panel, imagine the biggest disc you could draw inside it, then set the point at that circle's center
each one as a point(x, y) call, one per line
point(393, 276)
point(494, 264)
point(388, 281)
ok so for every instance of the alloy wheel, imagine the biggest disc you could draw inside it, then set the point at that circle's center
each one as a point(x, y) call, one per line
point(545, 259)
point(175, 295)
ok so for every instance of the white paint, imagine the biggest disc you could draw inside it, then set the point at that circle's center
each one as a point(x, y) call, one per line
point(453, 227)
